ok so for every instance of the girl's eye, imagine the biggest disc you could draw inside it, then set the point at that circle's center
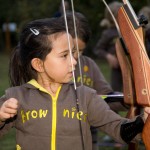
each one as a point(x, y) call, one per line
point(73, 52)
point(65, 55)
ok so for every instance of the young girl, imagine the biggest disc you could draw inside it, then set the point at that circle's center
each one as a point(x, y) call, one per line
point(45, 108)
point(91, 74)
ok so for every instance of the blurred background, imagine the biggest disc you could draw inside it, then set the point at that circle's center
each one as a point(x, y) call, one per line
point(15, 13)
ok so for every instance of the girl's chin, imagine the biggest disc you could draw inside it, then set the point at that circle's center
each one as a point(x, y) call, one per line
point(69, 80)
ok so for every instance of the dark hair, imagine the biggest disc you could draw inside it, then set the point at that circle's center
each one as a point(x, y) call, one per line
point(34, 43)
point(82, 26)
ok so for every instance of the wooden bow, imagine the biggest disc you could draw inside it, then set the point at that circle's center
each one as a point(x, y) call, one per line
point(132, 34)
point(128, 85)
point(128, 77)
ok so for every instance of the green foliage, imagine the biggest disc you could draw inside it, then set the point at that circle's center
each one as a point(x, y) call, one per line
point(3, 73)
point(105, 68)
point(7, 142)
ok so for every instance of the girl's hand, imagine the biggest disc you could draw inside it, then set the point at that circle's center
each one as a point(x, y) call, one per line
point(8, 109)
point(146, 112)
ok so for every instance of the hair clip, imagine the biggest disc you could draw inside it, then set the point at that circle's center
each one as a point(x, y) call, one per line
point(34, 31)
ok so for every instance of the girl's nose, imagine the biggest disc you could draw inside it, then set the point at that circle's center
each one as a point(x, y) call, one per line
point(74, 61)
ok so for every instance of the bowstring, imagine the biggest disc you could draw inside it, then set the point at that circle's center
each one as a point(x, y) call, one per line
point(68, 38)
point(76, 38)
point(116, 24)
point(74, 80)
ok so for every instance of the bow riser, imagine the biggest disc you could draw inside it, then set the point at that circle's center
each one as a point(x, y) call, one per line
point(128, 84)
point(127, 75)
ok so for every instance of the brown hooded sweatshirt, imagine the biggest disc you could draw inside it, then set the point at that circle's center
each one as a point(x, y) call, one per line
point(44, 122)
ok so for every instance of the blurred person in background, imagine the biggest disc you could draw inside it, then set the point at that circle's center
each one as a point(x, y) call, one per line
point(105, 47)
point(146, 12)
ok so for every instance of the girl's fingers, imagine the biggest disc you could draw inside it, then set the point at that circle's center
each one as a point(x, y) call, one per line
point(11, 103)
point(10, 110)
point(147, 110)
point(6, 116)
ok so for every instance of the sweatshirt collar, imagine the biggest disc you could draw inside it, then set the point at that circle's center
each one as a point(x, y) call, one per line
point(38, 86)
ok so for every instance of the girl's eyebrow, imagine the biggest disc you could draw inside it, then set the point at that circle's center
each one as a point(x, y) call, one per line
point(66, 51)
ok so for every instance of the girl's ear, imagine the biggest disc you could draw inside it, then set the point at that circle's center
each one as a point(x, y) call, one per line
point(37, 64)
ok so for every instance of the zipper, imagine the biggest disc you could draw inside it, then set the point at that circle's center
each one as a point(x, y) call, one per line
point(54, 122)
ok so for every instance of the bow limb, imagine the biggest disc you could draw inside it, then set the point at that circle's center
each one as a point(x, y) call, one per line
point(125, 64)
point(132, 33)
point(138, 54)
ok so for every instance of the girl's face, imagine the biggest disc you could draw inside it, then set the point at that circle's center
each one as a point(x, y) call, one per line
point(81, 46)
point(58, 65)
